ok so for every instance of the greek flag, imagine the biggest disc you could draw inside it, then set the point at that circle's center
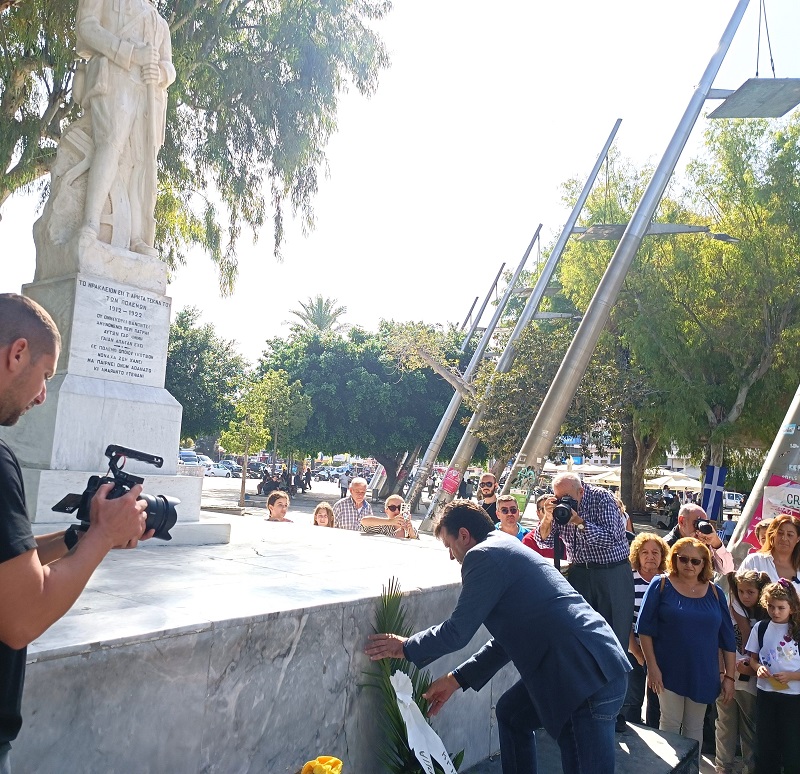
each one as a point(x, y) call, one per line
point(712, 491)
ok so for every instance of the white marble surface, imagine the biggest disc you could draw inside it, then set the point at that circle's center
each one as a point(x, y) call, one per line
point(249, 654)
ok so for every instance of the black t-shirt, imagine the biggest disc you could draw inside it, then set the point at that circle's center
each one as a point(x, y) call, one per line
point(491, 509)
point(16, 538)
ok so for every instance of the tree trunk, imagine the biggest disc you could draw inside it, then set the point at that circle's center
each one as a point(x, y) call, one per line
point(626, 463)
point(390, 465)
point(499, 466)
point(645, 446)
point(717, 453)
point(405, 469)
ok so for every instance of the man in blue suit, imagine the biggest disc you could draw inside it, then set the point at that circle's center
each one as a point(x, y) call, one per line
point(572, 668)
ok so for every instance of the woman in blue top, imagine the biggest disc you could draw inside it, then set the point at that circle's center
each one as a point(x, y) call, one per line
point(683, 625)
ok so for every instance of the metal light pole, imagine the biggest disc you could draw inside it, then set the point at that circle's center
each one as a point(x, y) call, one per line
point(469, 441)
point(476, 322)
point(449, 415)
point(547, 425)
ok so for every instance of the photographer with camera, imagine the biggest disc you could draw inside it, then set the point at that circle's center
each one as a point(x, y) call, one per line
point(693, 522)
point(42, 576)
point(589, 522)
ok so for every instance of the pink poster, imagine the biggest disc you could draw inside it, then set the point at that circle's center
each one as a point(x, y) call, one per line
point(750, 535)
point(451, 481)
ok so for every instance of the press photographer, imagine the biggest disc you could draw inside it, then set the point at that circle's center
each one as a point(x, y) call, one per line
point(42, 576)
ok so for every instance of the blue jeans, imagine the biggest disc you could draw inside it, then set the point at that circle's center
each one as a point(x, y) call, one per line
point(587, 740)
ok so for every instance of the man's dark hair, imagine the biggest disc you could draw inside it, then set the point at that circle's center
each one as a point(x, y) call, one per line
point(21, 318)
point(467, 514)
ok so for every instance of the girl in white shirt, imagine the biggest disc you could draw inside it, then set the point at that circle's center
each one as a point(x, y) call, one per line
point(774, 651)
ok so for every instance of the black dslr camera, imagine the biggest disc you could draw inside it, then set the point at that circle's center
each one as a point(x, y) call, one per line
point(562, 510)
point(161, 513)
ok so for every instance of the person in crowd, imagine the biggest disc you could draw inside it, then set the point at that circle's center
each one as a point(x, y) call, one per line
point(728, 528)
point(736, 720)
point(344, 483)
point(508, 514)
point(760, 532)
point(774, 651)
point(625, 516)
point(431, 484)
point(307, 478)
point(530, 539)
point(693, 522)
point(670, 504)
point(269, 483)
point(648, 559)
point(323, 515)
point(594, 538)
point(572, 668)
point(350, 510)
point(779, 556)
point(41, 576)
point(684, 628)
point(487, 490)
point(277, 506)
point(393, 524)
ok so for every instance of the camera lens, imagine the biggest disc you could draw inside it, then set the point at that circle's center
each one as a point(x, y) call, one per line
point(705, 527)
point(161, 514)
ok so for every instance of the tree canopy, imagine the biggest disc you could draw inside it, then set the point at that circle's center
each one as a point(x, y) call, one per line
point(253, 107)
point(204, 374)
point(318, 314)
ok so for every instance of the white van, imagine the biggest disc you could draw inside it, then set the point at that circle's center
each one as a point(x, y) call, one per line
point(732, 500)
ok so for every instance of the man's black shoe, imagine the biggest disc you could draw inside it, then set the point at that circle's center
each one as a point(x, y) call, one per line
point(620, 724)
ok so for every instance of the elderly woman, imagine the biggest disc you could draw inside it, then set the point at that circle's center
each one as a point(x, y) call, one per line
point(648, 558)
point(277, 505)
point(393, 524)
point(779, 556)
point(509, 515)
point(683, 627)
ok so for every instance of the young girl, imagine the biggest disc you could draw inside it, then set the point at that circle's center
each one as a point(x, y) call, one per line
point(736, 719)
point(773, 648)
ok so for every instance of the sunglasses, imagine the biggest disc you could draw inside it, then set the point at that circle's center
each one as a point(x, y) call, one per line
point(393, 508)
point(512, 510)
point(689, 559)
point(487, 484)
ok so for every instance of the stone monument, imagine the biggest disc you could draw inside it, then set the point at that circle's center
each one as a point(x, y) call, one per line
point(99, 275)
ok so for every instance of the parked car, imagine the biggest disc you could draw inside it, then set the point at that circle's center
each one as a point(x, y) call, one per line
point(255, 469)
point(218, 470)
point(732, 500)
point(188, 457)
point(323, 474)
point(205, 460)
point(235, 469)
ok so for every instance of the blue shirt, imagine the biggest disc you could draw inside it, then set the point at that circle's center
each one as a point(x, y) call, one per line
point(687, 635)
point(521, 531)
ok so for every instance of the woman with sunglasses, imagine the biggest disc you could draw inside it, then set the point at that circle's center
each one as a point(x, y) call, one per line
point(393, 524)
point(683, 627)
point(509, 515)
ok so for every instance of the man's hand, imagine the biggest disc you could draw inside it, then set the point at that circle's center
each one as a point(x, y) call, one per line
point(440, 691)
point(119, 522)
point(385, 646)
point(712, 540)
point(146, 57)
point(728, 687)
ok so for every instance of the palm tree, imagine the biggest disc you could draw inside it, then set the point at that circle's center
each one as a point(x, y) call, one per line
point(319, 314)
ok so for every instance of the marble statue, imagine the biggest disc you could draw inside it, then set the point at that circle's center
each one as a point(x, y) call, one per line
point(103, 184)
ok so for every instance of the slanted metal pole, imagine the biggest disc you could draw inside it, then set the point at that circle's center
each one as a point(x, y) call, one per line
point(469, 314)
point(547, 425)
point(469, 441)
point(449, 415)
point(783, 460)
point(478, 316)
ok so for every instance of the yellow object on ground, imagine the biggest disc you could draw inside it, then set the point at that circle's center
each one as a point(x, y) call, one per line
point(324, 764)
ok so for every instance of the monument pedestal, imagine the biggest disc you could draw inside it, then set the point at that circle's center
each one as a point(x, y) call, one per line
point(108, 389)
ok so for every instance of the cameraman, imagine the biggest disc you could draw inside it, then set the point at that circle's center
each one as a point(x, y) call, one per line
point(693, 522)
point(42, 576)
point(595, 539)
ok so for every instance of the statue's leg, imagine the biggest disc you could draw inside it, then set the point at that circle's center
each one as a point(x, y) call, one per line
point(112, 118)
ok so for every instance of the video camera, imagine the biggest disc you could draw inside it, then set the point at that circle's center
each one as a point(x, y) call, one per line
point(161, 513)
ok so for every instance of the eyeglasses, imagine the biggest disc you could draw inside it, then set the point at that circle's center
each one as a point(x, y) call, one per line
point(392, 508)
point(512, 510)
point(687, 559)
point(487, 484)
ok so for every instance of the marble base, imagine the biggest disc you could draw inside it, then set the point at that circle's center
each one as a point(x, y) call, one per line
point(84, 255)
point(82, 416)
point(239, 658)
point(44, 488)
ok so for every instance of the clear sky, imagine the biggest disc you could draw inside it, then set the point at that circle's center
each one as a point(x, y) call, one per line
point(447, 170)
